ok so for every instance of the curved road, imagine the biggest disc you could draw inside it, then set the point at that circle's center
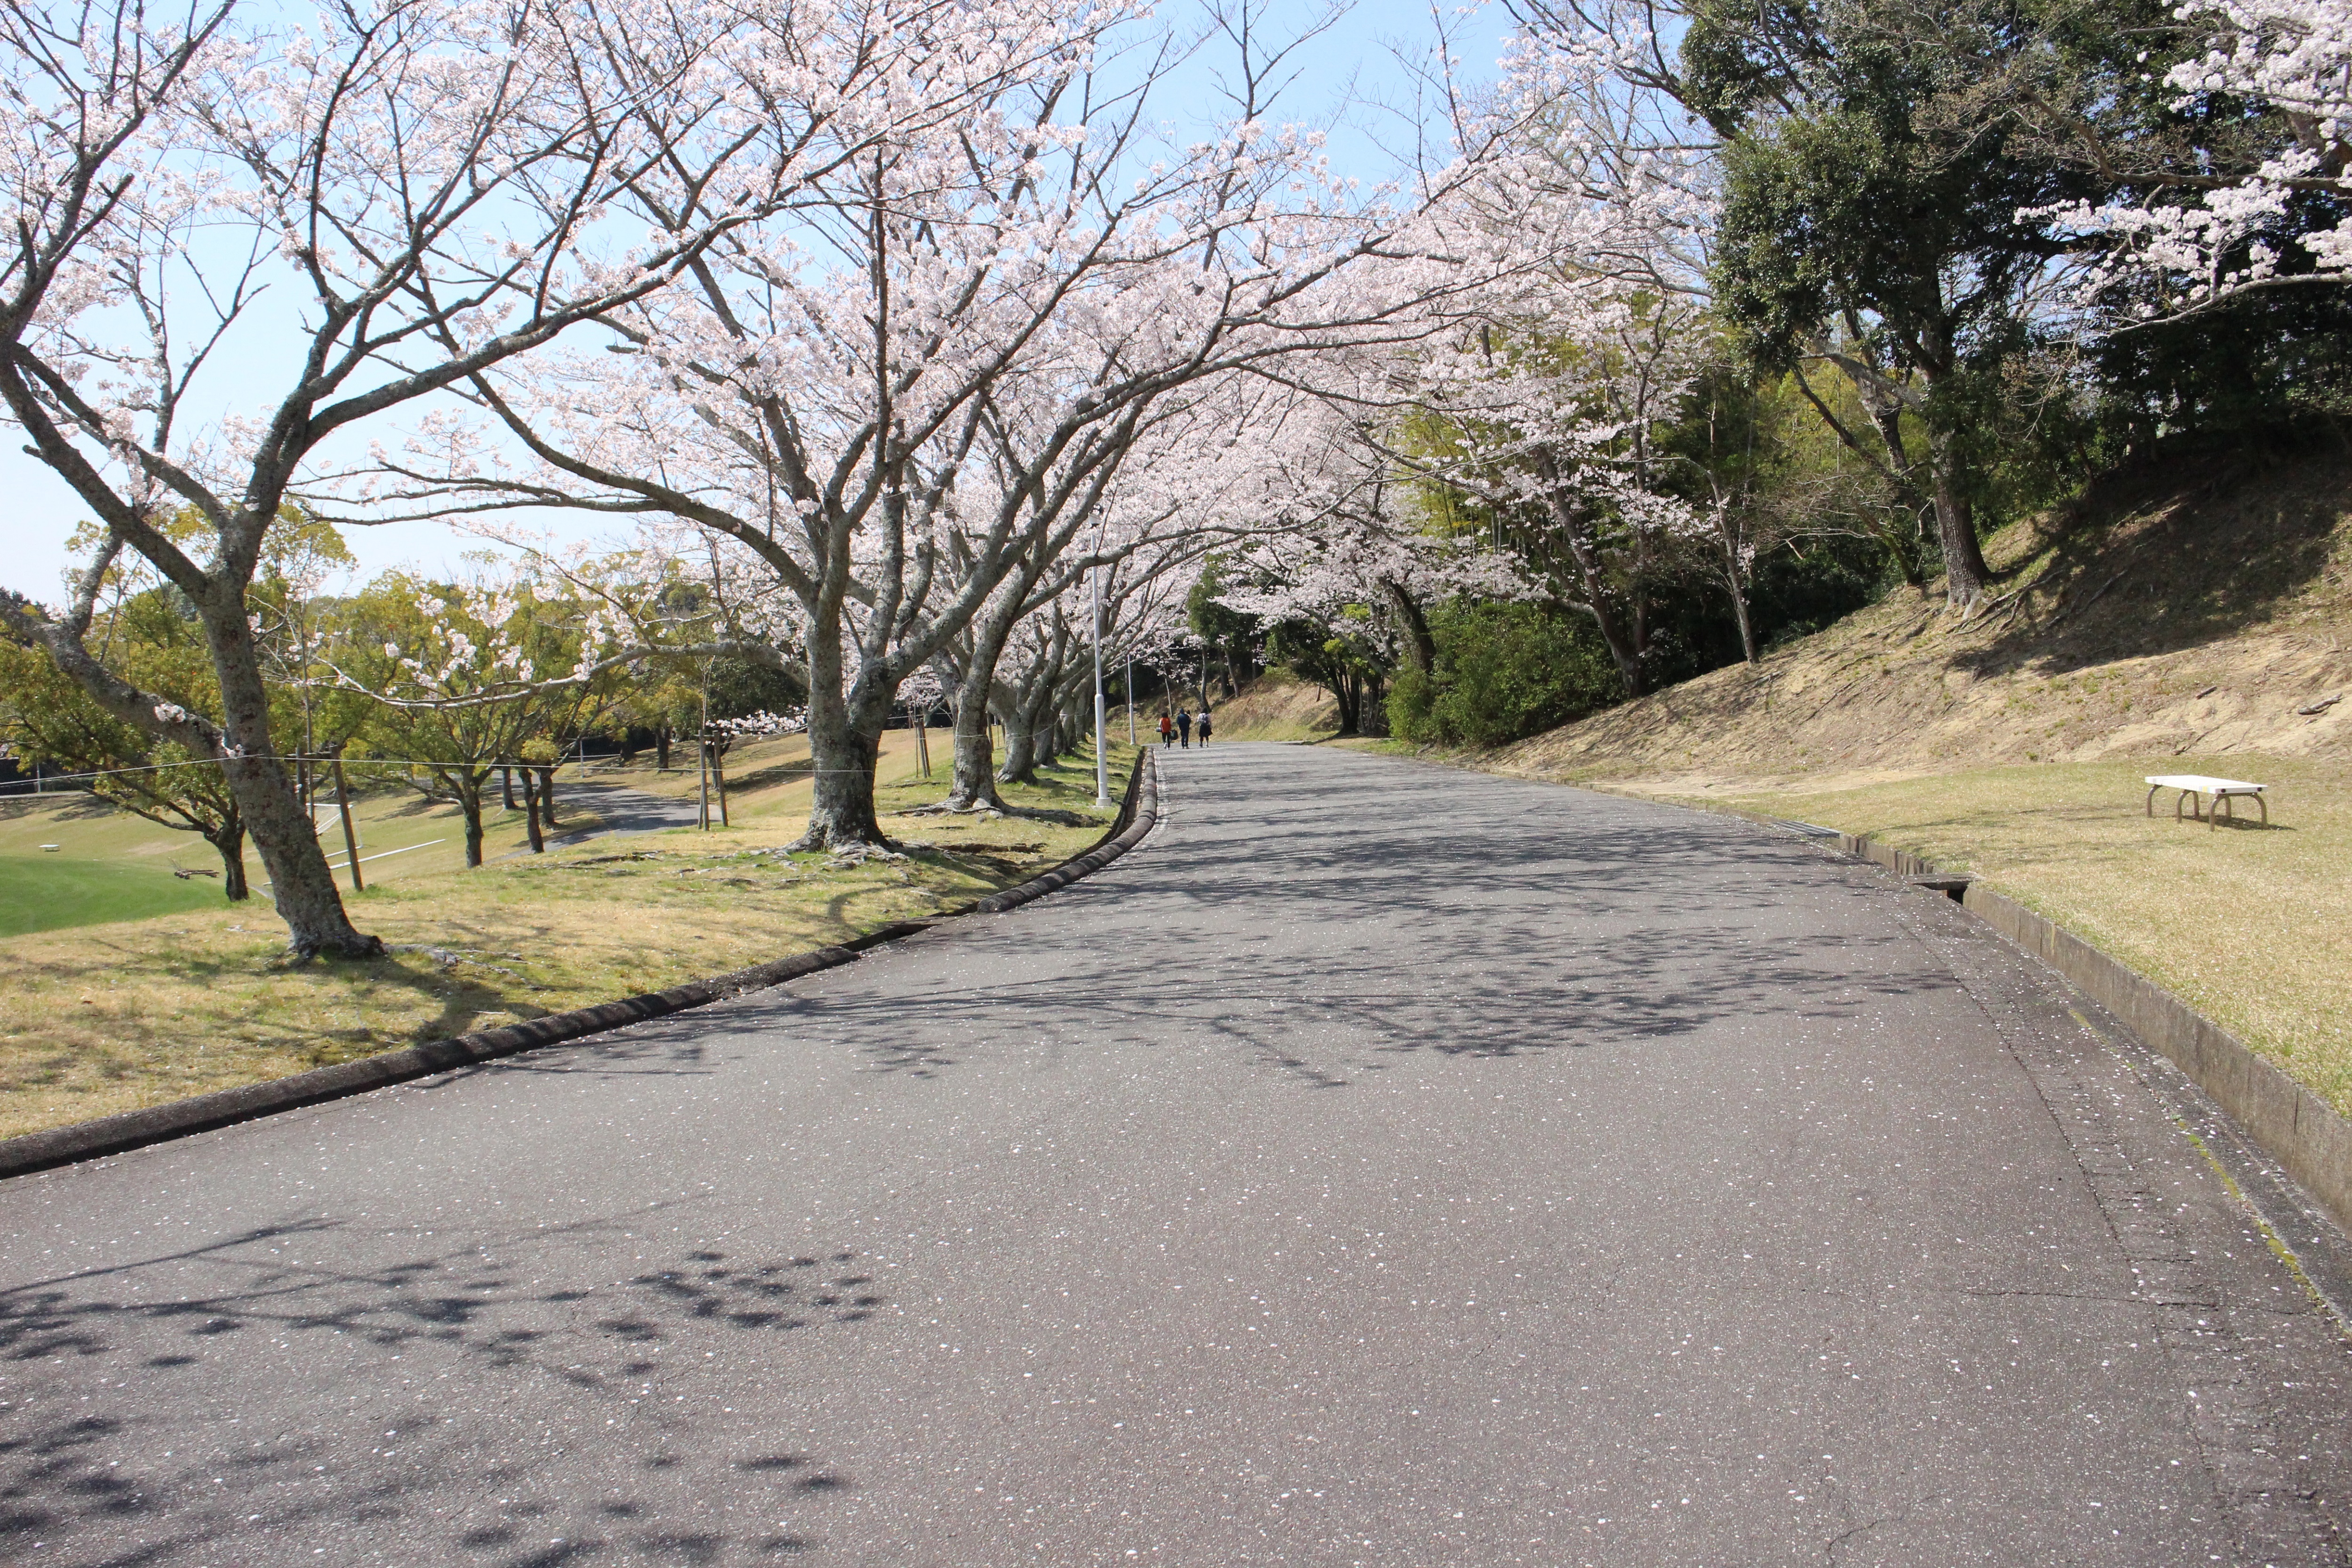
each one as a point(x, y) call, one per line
point(1382, 1166)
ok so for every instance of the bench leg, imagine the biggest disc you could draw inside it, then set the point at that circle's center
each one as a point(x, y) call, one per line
point(2266, 809)
point(2213, 816)
point(2151, 798)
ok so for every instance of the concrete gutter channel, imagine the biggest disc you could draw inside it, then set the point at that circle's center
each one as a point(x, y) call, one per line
point(1137, 812)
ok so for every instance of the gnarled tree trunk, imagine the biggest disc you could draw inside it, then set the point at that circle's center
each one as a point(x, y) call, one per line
point(302, 886)
point(844, 731)
point(1965, 571)
point(1019, 748)
point(229, 840)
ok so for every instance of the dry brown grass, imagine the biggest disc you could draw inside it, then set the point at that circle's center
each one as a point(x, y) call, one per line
point(109, 1019)
point(2188, 612)
point(1274, 707)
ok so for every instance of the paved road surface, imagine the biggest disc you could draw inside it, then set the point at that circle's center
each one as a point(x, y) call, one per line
point(1382, 1166)
point(620, 809)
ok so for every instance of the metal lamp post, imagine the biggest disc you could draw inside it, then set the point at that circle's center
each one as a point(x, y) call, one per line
point(1102, 763)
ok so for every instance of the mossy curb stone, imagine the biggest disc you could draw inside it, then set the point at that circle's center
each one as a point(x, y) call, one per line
point(132, 1129)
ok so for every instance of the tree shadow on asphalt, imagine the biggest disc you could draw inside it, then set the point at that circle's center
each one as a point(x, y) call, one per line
point(91, 1361)
point(1453, 941)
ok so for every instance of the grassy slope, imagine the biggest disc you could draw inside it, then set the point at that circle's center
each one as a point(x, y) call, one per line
point(1275, 707)
point(106, 1019)
point(42, 893)
point(2195, 611)
point(2175, 623)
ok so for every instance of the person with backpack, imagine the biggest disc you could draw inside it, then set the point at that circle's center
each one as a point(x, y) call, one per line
point(1167, 729)
point(1204, 726)
point(1183, 726)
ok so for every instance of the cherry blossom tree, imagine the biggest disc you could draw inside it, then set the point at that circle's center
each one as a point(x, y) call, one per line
point(454, 671)
point(1190, 475)
point(2159, 255)
point(917, 384)
point(358, 213)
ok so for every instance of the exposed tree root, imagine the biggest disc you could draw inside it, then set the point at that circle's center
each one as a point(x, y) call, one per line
point(987, 810)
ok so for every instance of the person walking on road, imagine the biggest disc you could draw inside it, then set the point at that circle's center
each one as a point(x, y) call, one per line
point(1167, 728)
point(1204, 726)
point(1183, 726)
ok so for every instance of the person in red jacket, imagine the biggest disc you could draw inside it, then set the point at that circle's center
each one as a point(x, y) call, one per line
point(1167, 729)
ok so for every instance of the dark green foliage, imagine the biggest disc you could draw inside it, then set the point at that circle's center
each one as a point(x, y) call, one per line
point(739, 688)
point(1864, 175)
point(2263, 358)
point(1798, 594)
point(1344, 656)
point(1505, 671)
point(1228, 632)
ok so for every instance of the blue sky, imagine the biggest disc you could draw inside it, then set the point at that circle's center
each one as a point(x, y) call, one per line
point(1348, 77)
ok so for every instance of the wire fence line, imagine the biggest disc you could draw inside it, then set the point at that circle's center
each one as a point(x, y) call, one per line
point(328, 757)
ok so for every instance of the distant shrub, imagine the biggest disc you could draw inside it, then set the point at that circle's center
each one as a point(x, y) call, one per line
point(1505, 671)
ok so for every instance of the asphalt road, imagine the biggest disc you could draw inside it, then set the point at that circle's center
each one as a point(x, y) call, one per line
point(622, 810)
point(1382, 1165)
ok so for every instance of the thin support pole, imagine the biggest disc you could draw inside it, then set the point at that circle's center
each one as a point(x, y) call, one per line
point(1130, 698)
point(350, 839)
point(1102, 762)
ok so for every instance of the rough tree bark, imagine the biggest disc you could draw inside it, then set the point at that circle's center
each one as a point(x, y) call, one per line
point(465, 786)
point(1019, 748)
point(228, 839)
point(844, 731)
point(1965, 571)
point(1419, 647)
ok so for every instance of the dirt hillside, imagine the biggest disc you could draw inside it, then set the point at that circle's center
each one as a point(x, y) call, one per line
point(2199, 607)
point(1277, 707)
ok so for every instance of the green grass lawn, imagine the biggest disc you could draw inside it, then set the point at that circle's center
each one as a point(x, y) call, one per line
point(46, 893)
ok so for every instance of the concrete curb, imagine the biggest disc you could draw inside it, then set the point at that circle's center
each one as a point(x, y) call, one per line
point(129, 1130)
point(201, 1113)
point(2297, 1128)
point(1138, 811)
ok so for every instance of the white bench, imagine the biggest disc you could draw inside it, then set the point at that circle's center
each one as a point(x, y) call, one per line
point(2192, 786)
